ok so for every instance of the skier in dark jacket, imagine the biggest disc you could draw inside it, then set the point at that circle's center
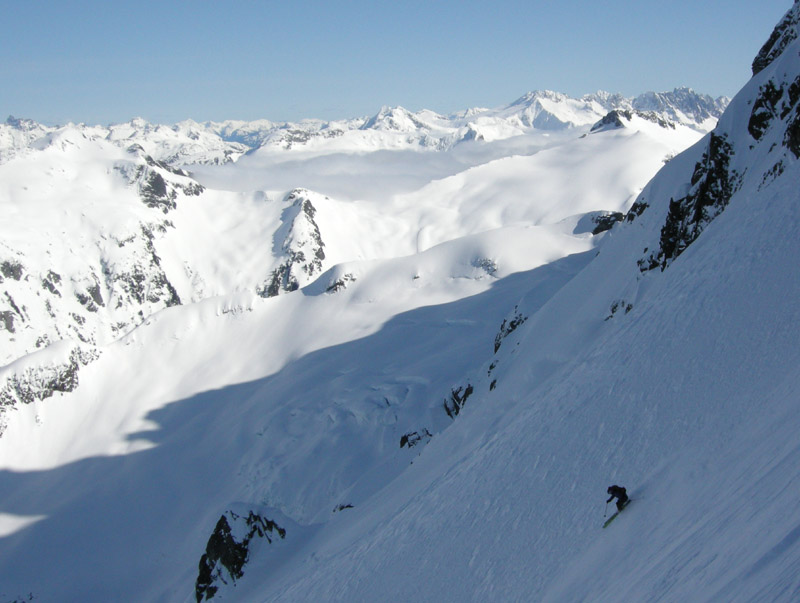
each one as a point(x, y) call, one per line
point(619, 493)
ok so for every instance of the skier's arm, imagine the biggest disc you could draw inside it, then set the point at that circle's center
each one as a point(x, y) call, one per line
point(610, 499)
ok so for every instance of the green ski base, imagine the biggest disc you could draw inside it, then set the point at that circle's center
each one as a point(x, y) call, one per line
point(614, 516)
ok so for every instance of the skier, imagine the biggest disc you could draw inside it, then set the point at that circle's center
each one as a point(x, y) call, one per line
point(619, 493)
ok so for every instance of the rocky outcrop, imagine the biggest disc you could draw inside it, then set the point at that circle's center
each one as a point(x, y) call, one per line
point(785, 32)
point(778, 106)
point(157, 183)
point(712, 185)
point(486, 266)
point(619, 305)
point(340, 283)
point(38, 382)
point(10, 269)
point(760, 152)
point(606, 221)
point(299, 242)
point(620, 118)
point(229, 548)
point(612, 121)
point(141, 279)
point(41, 382)
point(412, 438)
point(458, 397)
point(508, 326)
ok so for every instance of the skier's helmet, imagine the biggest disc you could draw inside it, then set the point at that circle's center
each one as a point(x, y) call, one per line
point(609, 490)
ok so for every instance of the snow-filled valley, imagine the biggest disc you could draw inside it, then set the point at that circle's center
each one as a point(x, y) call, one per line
point(402, 357)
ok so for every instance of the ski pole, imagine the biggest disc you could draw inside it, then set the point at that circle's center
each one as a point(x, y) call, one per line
point(606, 511)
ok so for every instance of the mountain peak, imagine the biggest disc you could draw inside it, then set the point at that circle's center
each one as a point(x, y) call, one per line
point(393, 119)
point(21, 123)
point(682, 105)
point(532, 96)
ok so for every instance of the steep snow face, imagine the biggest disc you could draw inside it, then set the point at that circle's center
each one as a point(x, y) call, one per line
point(624, 375)
point(754, 142)
point(244, 375)
point(299, 243)
point(653, 399)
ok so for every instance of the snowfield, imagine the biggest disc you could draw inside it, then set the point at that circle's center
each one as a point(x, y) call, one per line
point(403, 357)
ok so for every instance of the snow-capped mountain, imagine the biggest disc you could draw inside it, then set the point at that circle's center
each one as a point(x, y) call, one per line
point(417, 382)
point(136, 258)
point(188, 142)
point(100, 236)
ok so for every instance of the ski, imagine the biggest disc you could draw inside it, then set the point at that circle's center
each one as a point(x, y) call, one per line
point(614, 516)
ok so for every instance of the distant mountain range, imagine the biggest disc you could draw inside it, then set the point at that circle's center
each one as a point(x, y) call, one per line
point(104, 246)
point(190, 142)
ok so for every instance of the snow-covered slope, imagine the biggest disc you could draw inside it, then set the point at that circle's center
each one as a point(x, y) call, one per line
point(99, 235)
point(459, 359)
point(631, 373)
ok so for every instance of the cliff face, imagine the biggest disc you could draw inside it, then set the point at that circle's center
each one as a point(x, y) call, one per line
point(757, 137)
point(785, 33)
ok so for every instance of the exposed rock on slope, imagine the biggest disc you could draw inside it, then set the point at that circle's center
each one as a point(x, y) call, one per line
point(682, 105)
point(755, 139)
point(620, 118)
point(83, 293)
point(785, 33)
point(298, 240)
point(712, 184)
point(157, 182)
point(229, 547)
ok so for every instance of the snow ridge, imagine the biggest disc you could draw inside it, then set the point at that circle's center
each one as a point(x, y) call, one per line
point(299, 241)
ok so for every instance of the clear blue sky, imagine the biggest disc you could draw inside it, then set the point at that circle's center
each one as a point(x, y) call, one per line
point(107, 61)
